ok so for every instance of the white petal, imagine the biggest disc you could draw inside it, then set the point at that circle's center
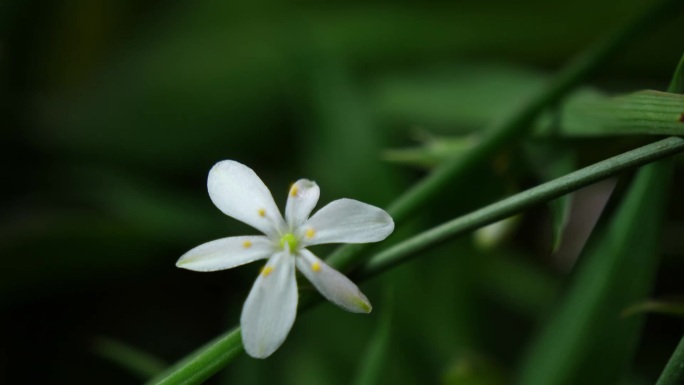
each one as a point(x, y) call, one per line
point(271, 307)
point(237, 191)
point(332, 284)
point(346, 221)
point(226, 253)
point(301, 200)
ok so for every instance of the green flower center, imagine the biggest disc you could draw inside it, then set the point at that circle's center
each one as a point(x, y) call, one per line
point(290, 240)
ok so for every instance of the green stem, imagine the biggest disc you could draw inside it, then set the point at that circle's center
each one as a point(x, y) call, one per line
point(204, 362)
point(673, 374)
point(506, 130)
point(520, 202)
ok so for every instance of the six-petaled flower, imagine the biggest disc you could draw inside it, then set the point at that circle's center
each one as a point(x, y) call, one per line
point(271, 307)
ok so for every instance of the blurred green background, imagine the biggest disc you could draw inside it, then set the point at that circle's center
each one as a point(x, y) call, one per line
point(114, 112)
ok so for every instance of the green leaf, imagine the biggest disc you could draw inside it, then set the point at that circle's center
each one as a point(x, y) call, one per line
point(136, 361)
point(643, 112)
point(585, 341)
point(674, 371)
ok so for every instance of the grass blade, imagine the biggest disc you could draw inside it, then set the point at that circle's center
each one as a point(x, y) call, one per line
point(674, 371)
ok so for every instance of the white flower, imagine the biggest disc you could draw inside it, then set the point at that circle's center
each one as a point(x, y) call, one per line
point(271, 307)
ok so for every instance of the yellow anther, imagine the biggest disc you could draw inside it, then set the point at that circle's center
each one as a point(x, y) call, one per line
point(247, 244)
point(310, 233)
point(262, 212)
point(294, 190)
point(266, 270)
point(316, 267)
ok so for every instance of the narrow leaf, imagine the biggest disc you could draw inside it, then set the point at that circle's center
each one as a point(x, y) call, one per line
point(674, 371)
point(642, 112)
point(619, 266)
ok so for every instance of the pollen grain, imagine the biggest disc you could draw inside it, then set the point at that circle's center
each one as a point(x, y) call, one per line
point(316, 267)
point(247, 244)
point(310, 233)
point(262, 212)
point(266, 270)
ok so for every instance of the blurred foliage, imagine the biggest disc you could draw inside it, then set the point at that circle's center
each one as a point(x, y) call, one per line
point(113, 113)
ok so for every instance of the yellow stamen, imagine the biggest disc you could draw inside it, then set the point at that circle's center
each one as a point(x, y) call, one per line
point(310, 233)
point(294, 190)
point(266, 270)
point(247, 244)
point(316, 267)
point(262, 212)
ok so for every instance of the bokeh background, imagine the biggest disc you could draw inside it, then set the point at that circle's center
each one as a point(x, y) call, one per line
point(114, 112)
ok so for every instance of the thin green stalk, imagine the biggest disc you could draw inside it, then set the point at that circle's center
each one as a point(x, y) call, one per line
point(506, 130)
point(520, 202)
point(673, 374)
point(204, 362)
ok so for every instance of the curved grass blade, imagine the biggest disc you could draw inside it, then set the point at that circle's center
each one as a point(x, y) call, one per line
point(674, 371)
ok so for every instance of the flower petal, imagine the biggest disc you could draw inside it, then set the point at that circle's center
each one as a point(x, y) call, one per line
point(226, 253)
point(346, 221)
point(332, 284)
point(301, 200)
point(271, 307)
point(237, 191)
